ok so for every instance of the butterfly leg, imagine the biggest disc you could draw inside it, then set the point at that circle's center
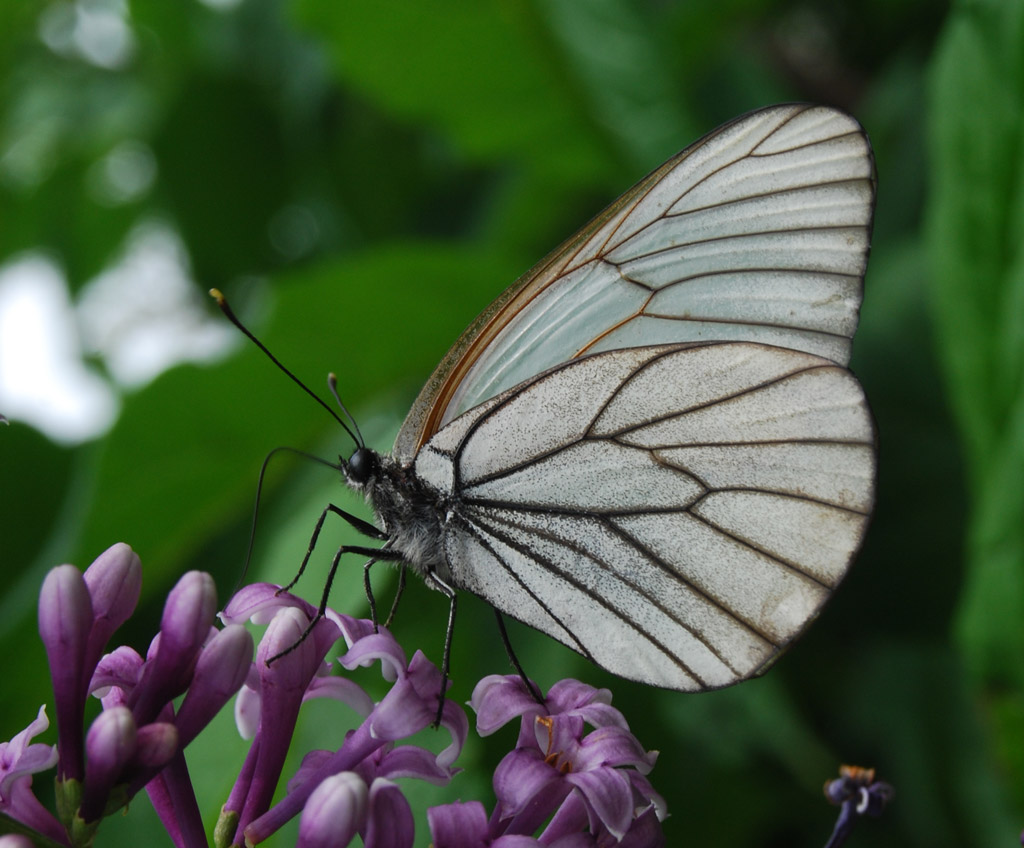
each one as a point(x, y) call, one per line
point(376, 554)
point(449, 593)
point(364, 527)
point(531, 687)
point(398, 595)
point(368, 589)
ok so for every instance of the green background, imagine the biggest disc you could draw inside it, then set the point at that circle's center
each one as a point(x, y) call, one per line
point(435, 150)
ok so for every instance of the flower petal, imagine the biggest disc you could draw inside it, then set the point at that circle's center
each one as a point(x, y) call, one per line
point(521, 776)
point(613, 746)
point(343, 690)
point(454, 720)
point(644, 832)
point(413, 761)
point(247, 712)
point(609, 794)
point(497, 699)
point(120, 668)
point(389, 823)
point(334, 813)
point(458, 825)
point(18, 757)
point(377, 646)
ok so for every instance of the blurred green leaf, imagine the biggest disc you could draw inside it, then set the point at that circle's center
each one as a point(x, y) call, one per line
point(976, 233)
point(223, 193)
point(481, 73)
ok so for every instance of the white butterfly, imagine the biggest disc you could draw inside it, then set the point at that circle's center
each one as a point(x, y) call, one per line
point(650, 447)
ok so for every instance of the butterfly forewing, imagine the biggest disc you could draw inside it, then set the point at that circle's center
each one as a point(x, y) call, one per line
point(758, 232)
point(676, 514)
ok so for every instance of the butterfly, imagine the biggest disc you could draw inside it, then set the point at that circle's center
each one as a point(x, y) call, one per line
point(650, 447)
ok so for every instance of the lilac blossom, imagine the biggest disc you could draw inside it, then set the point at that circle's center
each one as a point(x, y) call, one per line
point(19, 760)
point(368, 756)
point(137, 740)
point(581, 788)
point(188, 654)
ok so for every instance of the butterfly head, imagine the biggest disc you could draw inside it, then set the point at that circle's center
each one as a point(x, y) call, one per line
point(361, 467)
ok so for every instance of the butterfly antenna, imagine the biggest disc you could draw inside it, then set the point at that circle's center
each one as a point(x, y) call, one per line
point(259, 496)
point(332, 384)
point(230, 314)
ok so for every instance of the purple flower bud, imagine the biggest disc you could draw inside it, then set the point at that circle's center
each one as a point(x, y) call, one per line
point(282, 686)
point(185, 626)
point(389, 821)
point(65, 618)
point(116, 675)
point(158, 745)
point(158, 742)
point(221, 669)
point(334, 813)
point(114, 581)
point(109, 745)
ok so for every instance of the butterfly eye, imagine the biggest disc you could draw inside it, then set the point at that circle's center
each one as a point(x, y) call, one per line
point(362, 465)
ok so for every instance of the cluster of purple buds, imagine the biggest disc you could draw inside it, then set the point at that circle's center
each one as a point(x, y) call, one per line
point(138, 738)
point(577, 788)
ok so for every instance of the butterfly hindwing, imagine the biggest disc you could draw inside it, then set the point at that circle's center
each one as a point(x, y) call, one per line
point(675, 513)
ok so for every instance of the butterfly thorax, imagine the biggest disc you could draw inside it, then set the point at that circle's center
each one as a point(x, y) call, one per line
point(407, 510)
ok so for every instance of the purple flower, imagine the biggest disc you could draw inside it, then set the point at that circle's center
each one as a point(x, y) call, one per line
point(187, 654)
point(584, 785)
point(137, 740)
point(858, 794)
point(19, 760)
point(576, 774)
point(367, 752)
point(281, 685)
